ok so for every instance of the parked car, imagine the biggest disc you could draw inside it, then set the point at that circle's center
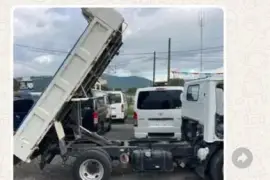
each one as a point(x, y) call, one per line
point(95, 115)
point(157, 112)
point(119, 105)
point(104, 94)
point(22, 103)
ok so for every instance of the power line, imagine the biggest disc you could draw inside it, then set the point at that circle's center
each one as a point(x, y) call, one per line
point(165, 52)
point(122, 64)
point(42, 49)
point(149, 58)
point(124, 54)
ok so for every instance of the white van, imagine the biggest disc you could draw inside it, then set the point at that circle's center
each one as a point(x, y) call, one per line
point(119, 105)
point(157, 112)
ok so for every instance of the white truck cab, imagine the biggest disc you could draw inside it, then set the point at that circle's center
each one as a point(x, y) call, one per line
point(202, 122)
point(203, 103)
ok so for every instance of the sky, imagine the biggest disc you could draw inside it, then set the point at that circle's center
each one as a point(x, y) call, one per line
point(43, 36)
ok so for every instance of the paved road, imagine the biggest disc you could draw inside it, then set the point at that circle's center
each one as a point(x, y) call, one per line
point(57, 171)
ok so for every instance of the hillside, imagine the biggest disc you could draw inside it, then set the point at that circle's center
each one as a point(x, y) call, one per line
point(126, 82)
point(41, 82)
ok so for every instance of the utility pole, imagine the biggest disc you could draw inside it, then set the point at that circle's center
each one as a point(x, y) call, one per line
point(154, 68)
point(201, 23)
point(169, 60)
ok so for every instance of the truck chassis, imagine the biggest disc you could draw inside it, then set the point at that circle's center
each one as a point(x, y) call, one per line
point(142, 155)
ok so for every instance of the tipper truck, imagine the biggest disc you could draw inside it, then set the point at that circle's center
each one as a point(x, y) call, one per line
point(49, 130)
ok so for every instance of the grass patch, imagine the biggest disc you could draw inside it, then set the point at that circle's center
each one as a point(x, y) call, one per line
point(130, 110)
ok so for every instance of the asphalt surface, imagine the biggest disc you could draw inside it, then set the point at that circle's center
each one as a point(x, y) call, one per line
point(57, 171)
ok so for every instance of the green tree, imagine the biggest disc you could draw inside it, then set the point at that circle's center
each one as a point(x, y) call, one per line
point(117, 89)
point(176, 82)
point(105, 87)
point(131, 90)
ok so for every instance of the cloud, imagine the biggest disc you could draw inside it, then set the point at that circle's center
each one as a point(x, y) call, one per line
point(36, 21)
point(148, 30)
point(45, 59)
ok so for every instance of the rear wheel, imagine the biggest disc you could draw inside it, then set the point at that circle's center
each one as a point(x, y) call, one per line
point(93, 165)
point(109, 126)
point(101, 128)
point(216, 166)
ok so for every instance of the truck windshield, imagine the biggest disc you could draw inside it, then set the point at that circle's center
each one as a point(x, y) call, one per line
point(165, 99)
point(115, 98)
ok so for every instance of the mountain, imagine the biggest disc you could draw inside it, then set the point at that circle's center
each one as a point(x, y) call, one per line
point(41, 82)
point(126, 82)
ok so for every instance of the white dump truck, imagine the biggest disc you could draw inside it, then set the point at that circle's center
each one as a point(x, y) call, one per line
point(48, 129)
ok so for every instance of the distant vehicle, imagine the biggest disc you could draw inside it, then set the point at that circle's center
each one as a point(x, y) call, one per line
point(95, 115)
point(22, 103)
point(119, 105)
point(157, 112)
point(104, 94)
point(35, 95)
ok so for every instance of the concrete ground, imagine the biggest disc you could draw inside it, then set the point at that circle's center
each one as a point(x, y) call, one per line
point(57, 171)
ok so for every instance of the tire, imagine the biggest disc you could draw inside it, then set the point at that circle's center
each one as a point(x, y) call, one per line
point(216, 166)
point(109, 126)
point(123, 120)
point(101, 129)
point(93, 155)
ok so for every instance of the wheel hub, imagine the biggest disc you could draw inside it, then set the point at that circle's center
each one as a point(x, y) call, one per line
point(91, 170)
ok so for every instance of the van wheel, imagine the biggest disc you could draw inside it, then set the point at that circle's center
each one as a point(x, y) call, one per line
point(92, 165)
point(216, 166)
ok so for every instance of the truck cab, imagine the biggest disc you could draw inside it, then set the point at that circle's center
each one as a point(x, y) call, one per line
point(202, 123)
point(203, 105)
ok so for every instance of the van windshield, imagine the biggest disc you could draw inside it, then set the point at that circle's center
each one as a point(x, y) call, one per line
point(114, 98)
point(165, 99)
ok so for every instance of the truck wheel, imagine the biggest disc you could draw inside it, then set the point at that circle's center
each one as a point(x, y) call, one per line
point(216, 166)
point(94, 165)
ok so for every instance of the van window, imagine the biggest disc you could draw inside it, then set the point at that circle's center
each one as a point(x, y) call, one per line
point(88, 104)
point(165, 99)
point(193, 93)
point(101, 101)
point(115, 98)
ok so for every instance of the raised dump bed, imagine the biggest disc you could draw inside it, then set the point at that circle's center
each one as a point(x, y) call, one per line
point(87, 60)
